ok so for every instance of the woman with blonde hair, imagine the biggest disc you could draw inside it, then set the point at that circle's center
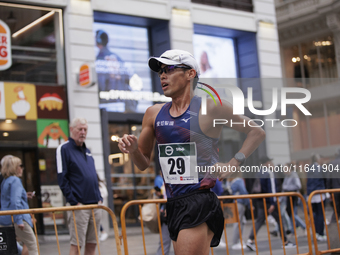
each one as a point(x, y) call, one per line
point(14, 197)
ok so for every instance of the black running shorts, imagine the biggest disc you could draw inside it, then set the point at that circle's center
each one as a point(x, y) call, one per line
point(193, 209)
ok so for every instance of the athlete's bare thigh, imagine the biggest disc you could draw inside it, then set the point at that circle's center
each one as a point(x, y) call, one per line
point(194, 241)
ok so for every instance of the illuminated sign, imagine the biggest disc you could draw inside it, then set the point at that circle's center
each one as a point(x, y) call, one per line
point(5, 46)
point(123, 76)
point(85, 77)
point(133, 95)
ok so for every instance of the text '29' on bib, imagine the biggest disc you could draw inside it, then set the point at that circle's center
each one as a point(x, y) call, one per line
point(178, 162)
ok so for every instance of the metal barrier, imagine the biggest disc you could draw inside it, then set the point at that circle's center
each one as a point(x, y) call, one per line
point(233, 206)
point(321, 192)
point(68, 208)
point(140, 203)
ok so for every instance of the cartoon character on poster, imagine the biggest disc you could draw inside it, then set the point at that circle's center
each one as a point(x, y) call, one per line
point(51, 133)
point(20, 101)
point(21, 107)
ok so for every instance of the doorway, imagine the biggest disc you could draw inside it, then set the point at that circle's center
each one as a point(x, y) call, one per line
point(128, 182)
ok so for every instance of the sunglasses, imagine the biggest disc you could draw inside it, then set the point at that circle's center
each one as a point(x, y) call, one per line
point(171, 69)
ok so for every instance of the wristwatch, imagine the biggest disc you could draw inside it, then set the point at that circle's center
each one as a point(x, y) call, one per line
point(240, 157)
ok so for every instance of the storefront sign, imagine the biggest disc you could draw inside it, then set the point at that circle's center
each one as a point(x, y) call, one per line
point(85, 77)
point(5, 46)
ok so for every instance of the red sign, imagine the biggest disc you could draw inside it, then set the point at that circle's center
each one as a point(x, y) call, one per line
point(51, 102)
point(84, 76)
point(5, 46)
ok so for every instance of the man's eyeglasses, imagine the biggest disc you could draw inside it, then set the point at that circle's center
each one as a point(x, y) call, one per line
point(171, 69)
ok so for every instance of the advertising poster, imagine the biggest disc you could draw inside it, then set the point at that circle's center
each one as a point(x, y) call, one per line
point(216, 56)
point(124, 79)
point(20, 101)
point(51, 133)
point(51, 196)
point(51, 102)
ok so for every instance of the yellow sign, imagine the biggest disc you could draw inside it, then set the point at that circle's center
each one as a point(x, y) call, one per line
point(20, 101)
point(42, 164)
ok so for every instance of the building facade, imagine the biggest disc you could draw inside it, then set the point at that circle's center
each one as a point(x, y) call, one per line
point(309, 35)
point(91, 58)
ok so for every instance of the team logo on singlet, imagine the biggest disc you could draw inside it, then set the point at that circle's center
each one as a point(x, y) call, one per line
point(163, 123)
point(186, 120)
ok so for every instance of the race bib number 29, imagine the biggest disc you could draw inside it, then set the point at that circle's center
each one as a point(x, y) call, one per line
point(178, 162)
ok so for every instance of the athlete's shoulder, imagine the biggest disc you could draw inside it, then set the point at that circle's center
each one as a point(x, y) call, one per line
point(154, 110)
point(151, 114)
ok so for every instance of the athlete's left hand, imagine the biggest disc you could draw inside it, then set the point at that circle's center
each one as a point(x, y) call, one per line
point(128, 143)
point(227, 169)
point(221, 171)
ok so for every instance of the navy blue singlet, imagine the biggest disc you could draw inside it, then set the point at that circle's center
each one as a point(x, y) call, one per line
point(185, 129)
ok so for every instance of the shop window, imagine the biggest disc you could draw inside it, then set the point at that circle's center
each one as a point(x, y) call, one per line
point(228, 54)
point(36, 42)
point(216, 56)
point(123, 47)
point(131, 41)
point(128, 182)
point(333, 119)
point(307, 62)
point(327, 57)
point(121, 56)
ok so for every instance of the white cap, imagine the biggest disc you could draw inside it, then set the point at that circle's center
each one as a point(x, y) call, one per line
point(174, 57)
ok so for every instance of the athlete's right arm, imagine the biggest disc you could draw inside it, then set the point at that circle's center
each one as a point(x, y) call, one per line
point(140, 151)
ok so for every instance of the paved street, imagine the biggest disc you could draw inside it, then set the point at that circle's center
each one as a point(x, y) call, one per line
point(135, 243)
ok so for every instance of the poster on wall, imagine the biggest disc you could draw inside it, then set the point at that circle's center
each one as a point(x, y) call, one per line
point(51, 196)
point(51, 133)
point(124, 79)
point(20, 101)
point(216, 56)
point(51, 102)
